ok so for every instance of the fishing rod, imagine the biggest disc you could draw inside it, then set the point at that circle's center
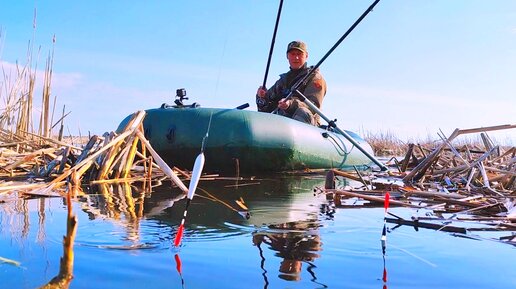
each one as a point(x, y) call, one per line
point(331, 123)
point(314, 68)
point(272, 44)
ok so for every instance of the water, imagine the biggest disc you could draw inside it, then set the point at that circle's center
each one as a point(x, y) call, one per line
point(293, 239)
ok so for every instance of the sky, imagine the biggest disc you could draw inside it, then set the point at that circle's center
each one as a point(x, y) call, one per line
point(410, 69)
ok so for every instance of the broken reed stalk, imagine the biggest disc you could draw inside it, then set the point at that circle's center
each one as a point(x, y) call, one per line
point(149, 169)
point(420, 169)
point(135, 129)
point(130, 129)
point(76, 175)
point(107, 161)
point(164, 167)
point(27, 158)
point(128, 159)
point(370, 198)
point(8, 188)
point(119, 180)
point(119, 160)
point(90, 158)
point(51, 140)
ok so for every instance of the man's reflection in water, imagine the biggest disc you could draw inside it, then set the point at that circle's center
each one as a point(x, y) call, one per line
point(294, 242)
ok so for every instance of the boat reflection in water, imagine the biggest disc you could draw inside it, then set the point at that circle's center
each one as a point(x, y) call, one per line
point(281, 213)
point(127, 228)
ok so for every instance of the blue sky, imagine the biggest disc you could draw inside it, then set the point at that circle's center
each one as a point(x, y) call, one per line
point(410, 68)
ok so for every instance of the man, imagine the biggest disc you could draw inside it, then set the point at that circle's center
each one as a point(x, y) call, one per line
point(314, 88)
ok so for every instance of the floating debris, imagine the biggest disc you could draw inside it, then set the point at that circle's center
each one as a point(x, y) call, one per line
point(9, 261)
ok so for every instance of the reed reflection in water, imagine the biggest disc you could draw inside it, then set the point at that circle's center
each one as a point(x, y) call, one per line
point(65, 275)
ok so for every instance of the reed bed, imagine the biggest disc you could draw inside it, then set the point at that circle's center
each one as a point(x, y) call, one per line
point(385, 144)
point(34, 160)
point(18, 94)
point(123, 157)
point(469, 182)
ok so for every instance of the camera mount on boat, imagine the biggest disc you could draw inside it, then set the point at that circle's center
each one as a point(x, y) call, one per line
point(180, 96)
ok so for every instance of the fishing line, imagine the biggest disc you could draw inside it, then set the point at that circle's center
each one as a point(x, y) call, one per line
point(207, 133)
point(415, 256)
point(220, 66)
point(211, 197)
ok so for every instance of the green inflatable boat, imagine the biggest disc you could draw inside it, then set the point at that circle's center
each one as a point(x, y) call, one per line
point(242, 141)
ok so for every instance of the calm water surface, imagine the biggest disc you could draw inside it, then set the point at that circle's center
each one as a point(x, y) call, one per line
point(293, 239)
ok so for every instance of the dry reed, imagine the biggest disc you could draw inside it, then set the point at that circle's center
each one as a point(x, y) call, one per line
point(458, 178)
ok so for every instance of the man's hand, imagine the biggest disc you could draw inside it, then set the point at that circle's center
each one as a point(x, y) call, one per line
point(284, 103)
point(261, 92)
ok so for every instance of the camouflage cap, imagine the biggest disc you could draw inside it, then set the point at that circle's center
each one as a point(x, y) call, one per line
point(299, 45)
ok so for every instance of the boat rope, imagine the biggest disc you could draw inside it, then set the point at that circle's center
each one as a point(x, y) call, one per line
point(341, 146)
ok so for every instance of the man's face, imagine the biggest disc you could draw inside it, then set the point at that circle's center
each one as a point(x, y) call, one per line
point(296, 58)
